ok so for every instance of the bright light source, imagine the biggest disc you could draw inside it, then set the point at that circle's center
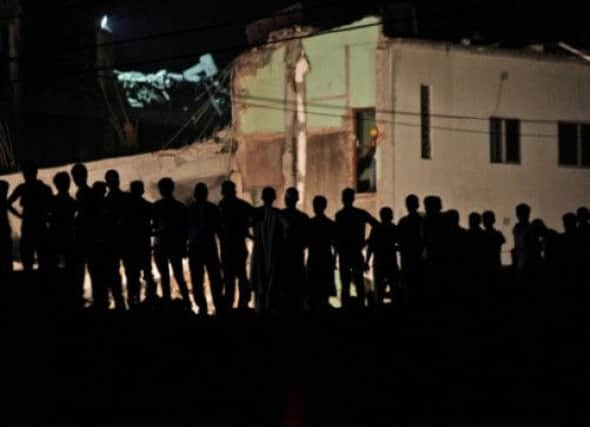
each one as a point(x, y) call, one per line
point(105, 25)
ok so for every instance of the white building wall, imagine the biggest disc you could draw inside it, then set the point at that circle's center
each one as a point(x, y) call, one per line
point(467, 83)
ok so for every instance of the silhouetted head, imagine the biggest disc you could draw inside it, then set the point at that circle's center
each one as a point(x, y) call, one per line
point(166, 187)
point(570, 222)
point(320, 203)
point(474, 220)
point(453, 218)
point(201, 192)
point(99, 189)
point(291, 197)
point(30, 170)
point(523, 212)
point(386, 215)
point(228, 189)
point(432, 205)
point(583, 215)
point(4, 186)
point(112, 179)
point(269, 195)
point(61, 180)
point(412, 203)
point(348, 197)
point(489, 219)
point(79, 175)
point(137, 188)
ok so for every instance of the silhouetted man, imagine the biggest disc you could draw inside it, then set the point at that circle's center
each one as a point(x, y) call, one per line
point(35, 199)
point(204, 226)
point(456, 244)
point(82, 227)
point(382, 248)
point(583, 216)
point(236, 217)
point(569, 252)
point(103, 262)
point(117, 214)
point(435, 227)
point(521, 254)
point(61, 228)
point(411, 243)
point(320, 257)
point(140, 238)
point(474, 249)
point(435, 235)
point(293, 266)
point(492, 247)
point(5, 231)
point(170, 227)
point(350, 239)
point(269, 233)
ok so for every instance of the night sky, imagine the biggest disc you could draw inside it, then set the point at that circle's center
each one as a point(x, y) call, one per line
point(70, 24)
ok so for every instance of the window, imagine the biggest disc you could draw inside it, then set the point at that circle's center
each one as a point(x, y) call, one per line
point(504, 140)
point(574, 144)
point(366, 162)
point(425, 122)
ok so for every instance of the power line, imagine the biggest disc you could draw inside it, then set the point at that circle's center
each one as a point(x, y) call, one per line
point(152, 36)
point(406, 124)
point(238, 47)
point(399, 112)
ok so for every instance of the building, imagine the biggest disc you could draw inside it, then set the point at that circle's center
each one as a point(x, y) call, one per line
point(483, 127)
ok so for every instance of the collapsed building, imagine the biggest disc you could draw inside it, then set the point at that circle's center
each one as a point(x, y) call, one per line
point(482, 127)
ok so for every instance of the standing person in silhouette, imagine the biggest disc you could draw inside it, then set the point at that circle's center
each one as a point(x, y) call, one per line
point(583, 216)
point(382, 248)
point(61, 223)
point(236, 217)
point(350, 239)
point(411, 243)
point(82, 227)
point(141, 238)
point(321, 257)
point(296, 240)
point(103, 263)
point(5, 231)
point(569, 254)
point(521, 254)
point(204, 226)
point(35, 198)
point(117, 210)
point(456, 244)
point(474, 249)
point(170, 228)
point(493, 240)
point(269, 233)
point(61, 234)
point(435, 229)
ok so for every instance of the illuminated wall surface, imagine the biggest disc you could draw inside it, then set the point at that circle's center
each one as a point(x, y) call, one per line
point(334, 59)
point(468, 85)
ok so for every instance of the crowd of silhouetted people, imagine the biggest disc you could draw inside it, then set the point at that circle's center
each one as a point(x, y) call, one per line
point(293, 258)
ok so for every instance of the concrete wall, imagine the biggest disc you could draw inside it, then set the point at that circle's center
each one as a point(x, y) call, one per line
point(204, 162)
point(341, 77)
point(342, 74)
point(465, 82)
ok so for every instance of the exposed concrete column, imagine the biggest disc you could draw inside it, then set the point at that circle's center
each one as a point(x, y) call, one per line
point(294, 159)
point(292, 54)
point(301, 70)
point(385, 104)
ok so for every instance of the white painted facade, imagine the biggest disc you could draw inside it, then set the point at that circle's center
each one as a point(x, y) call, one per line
point(467, 87)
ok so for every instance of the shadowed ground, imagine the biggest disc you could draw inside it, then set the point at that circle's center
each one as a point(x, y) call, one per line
point(513, 357)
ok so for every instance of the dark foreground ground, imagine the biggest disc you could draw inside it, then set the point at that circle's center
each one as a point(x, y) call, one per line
point(515, 358)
